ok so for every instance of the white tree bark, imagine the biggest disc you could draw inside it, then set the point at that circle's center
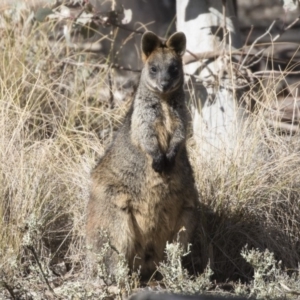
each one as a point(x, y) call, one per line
point(217, 117)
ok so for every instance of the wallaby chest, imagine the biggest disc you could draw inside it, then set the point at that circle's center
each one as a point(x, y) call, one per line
point(165, 125)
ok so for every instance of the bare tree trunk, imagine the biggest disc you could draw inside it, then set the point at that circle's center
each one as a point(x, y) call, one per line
point(217, 117)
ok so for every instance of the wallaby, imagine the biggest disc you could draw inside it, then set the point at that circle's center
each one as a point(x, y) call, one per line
point(143, 192)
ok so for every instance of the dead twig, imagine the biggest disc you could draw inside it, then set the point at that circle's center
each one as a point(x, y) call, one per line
point(193, 57)
point(225, 31)
point(283, 126)
point(31, 249)
point(280, 73)
point(246, 42)
point(255, 42)
point(79, 14)
point(111, 94)
point(273, 40)
point(9, 289)
point(285, 29)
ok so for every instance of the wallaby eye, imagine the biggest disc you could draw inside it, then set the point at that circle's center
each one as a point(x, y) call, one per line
point(153, 69)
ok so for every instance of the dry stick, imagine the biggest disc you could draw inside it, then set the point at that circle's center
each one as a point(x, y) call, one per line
point(9, 289)
point(204, 55)
point(286, 28)
point(246, 42)
point(293, 121)
point(79, 14)
point(288, 290)
point(266, 72)
point(40, 267)
point(193, 57)
point(282, 125)
point(213, 54)
point(210, 54)
point(111, 94)
point(291, 63)
point(224, 19)
point(111, 58)
point(255, 42)
point(255, 61)
point(273, 40)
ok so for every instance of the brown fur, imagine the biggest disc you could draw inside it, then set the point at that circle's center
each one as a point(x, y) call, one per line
point(143, 188)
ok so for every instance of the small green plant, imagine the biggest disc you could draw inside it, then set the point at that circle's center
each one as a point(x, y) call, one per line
point(176, 278)
point(269, 280)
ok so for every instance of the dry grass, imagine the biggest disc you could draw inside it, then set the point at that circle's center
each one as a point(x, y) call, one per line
point(55, 120)
point(54, 125)
point(251, 197)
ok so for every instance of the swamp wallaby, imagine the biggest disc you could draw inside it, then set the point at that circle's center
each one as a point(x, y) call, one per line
point(143, 190)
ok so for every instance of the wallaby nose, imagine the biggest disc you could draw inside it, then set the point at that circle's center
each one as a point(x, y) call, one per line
point(164, 85)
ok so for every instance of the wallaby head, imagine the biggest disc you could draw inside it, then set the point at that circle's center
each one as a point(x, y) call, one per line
point(163, 71)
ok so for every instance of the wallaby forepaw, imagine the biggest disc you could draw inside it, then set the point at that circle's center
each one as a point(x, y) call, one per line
point(171, 157)
point(158, 163)
point(170, 160)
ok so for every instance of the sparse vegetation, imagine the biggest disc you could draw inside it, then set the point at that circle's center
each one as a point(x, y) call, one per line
point(56, 120)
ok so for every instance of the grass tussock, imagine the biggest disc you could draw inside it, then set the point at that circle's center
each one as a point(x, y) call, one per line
point(251, 196)
point(56, 120)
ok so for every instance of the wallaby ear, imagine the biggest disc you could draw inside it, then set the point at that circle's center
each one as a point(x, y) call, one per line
point(150, 42)
point(177, 42)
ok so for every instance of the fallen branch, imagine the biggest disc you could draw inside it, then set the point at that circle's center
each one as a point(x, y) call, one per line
point(10, 290)
point(255, 42)
point(274, 72)
point(31, 249)
point(193, 57)
point(273, 40)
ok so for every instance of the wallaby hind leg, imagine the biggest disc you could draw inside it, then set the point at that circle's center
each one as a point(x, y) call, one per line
point(109, 231)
